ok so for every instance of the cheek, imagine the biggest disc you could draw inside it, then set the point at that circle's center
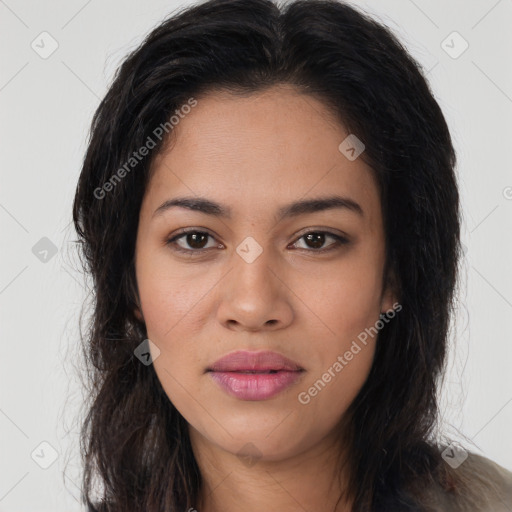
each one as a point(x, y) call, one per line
point(348, 303)
point(170, 299)
point(169, 316)
point(175, 326)
point(348, 299)
point(165, 305)
point(343, 357)
point(174, 315)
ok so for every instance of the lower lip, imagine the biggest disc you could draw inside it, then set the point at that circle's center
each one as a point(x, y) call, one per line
point(255, 386)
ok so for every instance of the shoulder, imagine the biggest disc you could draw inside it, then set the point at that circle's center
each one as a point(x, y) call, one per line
point(477, 485)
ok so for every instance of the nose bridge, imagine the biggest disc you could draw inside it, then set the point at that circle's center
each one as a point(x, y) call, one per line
point(253, 277)
point(253, 295)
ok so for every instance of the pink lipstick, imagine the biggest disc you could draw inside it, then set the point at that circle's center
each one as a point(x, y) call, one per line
point(254, 375)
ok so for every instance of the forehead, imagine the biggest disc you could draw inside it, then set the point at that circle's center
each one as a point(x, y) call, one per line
point(263, 149)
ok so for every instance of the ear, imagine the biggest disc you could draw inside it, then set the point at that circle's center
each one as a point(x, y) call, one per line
point(389, 293)
point(134, 297)
point(138, 314)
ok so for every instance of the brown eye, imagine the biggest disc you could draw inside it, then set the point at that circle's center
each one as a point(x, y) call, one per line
point(316, 239)
point(191, 241)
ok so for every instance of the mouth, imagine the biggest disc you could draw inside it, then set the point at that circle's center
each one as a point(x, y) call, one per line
point(255, 375)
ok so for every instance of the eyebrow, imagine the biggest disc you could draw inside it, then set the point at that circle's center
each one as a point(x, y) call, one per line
point(294, 209)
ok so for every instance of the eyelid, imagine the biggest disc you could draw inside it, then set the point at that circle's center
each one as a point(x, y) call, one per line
point(325, 230)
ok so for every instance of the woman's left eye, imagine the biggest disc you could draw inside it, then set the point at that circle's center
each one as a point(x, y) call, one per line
point(317, 238)
point(196, 240)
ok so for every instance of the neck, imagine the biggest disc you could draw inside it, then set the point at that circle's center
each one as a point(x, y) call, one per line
point(309, 480)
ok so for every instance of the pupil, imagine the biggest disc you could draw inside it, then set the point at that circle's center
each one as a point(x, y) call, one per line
point(317, 238)
point(193, 237)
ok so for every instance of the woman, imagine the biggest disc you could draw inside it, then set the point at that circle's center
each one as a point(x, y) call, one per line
point(269, 210)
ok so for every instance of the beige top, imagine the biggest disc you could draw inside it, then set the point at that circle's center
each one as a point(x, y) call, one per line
point(497, 498)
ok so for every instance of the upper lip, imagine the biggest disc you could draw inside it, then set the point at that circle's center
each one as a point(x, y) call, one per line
point(242, 360)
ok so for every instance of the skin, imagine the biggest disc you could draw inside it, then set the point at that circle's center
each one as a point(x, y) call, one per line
point(256, 154)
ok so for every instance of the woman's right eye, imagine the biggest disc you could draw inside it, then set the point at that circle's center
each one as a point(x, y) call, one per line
point(194, 239)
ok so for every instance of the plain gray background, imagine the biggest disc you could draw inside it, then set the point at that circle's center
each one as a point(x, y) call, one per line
point(47, 105)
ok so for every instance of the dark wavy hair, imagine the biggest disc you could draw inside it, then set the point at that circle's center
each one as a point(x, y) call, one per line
point(134, 441)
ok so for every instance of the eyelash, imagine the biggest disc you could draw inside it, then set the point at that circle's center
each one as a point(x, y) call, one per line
point(339, 241)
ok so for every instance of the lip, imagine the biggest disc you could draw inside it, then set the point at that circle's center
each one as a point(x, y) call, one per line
point(243, 360)
point(246, 375)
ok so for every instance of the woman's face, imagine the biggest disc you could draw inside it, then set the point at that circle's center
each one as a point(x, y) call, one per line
point(251, 279)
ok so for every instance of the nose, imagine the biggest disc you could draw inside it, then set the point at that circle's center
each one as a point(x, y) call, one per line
point(254, 296)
